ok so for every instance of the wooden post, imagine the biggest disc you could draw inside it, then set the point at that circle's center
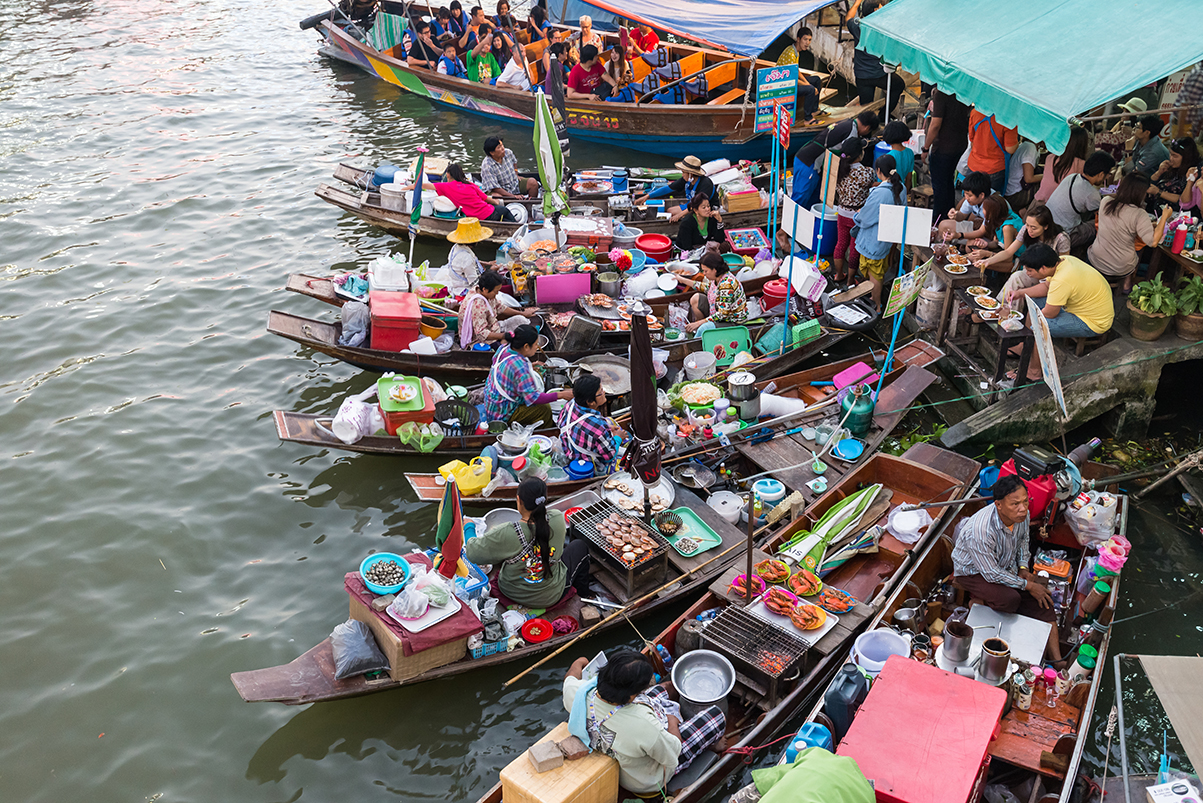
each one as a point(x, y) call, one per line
point(751, 528)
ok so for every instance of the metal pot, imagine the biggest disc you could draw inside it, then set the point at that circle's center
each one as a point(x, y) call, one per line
point(610, 284)
point(702, 678)
point(905, 619)
point(741, 386)
point(995, 660)
point(958, 637)
point(749, 409)
point(920, 609)
point(555, 374)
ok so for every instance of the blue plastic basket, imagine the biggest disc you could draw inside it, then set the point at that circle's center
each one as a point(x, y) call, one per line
point(474, 585)
point(489, 648)
point(371, 560)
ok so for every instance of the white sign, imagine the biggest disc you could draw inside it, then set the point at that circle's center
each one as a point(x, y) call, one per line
point(1048, 358)
point(798, 223)
point(918, 224)
point(1173, 88)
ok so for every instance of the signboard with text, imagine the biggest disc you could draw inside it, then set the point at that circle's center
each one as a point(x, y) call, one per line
point(906, 289)
point(775, 86)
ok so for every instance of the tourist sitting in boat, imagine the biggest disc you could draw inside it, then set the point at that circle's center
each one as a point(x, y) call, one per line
point(502, 48)
point(457, 22)
point(424, 52)
point(873, 252)
point(721, 300)
point(693, 181)
point(621, 714)
point(502, 18)
point(557, 52)
point(584, 78)
point(483, 318)
point(1123, 223)
point(853, 184)
point(585, 434)
point(514, 390)
point(644, 43)
point(499, 172)
point(441, 23)
point(450, 64)
point(701, 224)
point(535, 566)
point(992, 559)
point(615, 77)
point(482, 65)
point(808, 85)
point(587, 36)
point(974, 189)
point(537, 26)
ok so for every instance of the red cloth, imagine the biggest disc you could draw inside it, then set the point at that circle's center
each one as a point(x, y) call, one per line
point(464, 623)
point(470, 198)
point(586, 81)
point(985, 155)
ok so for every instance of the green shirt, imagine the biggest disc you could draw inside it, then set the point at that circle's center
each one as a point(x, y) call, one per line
point(816, 776)
point(522, 580)
point(483, 69)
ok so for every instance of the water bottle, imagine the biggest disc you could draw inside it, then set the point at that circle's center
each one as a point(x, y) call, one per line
point(1179, 239)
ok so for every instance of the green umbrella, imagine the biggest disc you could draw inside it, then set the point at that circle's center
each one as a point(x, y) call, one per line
point(551, 160)
point(808, 546)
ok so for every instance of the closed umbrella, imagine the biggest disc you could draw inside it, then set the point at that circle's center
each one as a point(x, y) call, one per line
point(450, 533)
point(642, 457)
point(416, 214)
point(551, 160)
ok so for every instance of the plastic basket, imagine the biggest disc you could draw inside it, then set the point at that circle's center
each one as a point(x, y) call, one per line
point(456, 417)
point(489, 648)
point(807, 331)
point(474, 585)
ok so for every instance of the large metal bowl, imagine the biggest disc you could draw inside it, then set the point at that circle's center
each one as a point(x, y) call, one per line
point(703, 678)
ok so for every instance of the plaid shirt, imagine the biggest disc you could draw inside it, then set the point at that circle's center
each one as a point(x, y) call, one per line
point(1192, 94)
point(589, 437)
point(503, 175)
point(513, 375)
point(987, 548)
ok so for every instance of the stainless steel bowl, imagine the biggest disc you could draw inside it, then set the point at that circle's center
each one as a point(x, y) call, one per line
point(703, 678)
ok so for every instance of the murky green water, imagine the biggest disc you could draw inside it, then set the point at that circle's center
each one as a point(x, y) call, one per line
point(158, 164)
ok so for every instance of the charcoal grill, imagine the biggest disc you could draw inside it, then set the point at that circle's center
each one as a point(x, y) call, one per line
point(766, 658)
point(650, 567)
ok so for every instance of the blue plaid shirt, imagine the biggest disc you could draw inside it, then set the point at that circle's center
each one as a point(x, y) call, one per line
point(585, 435)
point(512, 375)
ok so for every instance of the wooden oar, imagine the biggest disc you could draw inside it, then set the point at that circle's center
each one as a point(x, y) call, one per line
point(620, 612)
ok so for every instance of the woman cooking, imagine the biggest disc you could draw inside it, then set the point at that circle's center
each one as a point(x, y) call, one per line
point(722, 300)
point(481, 313)
point(585, 434)
point(701, 224)
point(513, 391)
point(536, 565)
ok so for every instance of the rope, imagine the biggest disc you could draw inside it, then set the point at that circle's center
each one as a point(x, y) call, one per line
point(747, 752)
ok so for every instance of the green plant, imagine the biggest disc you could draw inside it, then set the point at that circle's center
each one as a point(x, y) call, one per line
point(1154, 297)
point(1190, 297)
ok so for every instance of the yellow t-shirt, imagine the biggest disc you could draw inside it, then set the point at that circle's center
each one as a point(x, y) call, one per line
point(1081, 290)
point(788, 56)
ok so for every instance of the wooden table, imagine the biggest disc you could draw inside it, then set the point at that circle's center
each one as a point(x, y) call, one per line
point(1006, 341)
point(1179, 264)
point(951, 281)
point(1024, 735)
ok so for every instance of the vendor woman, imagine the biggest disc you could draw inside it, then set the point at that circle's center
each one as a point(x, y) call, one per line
point(481, 313)
point(702, 224)
point(585, 434)
point(536, 565)
point(514, 391)
point(722, 300)
point(621, 714)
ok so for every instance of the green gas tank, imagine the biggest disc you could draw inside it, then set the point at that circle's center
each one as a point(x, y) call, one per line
point(857, 406)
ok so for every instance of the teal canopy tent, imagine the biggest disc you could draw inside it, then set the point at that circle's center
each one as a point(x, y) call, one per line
point(1034, 64)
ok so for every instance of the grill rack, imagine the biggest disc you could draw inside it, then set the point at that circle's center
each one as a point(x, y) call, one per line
point(765, 654)
point(586, 520)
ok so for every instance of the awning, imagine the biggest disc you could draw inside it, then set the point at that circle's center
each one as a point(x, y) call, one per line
point(745, 27)
point(1036, 63)
point(1175, 680)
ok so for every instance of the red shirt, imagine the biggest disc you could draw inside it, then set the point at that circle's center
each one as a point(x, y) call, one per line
point(647, 42)
point(470, 198)
point(586, 81)
point(985, 154)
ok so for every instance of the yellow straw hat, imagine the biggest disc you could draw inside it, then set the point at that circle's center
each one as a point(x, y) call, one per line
point(692, 164)
point(469, 230)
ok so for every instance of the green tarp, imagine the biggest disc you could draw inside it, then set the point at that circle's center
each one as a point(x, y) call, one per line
point(1036, 63)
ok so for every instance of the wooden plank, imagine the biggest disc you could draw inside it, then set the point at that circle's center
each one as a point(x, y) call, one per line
point(730, 534)
point(726, 97)
point(1027, 734)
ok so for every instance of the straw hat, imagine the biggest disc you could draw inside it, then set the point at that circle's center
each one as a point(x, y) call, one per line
point(1135, 106)
point(692, 164)
point(469, 230)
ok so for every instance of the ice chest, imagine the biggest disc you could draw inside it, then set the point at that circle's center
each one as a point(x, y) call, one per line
point(561, 288)
point(395, 319)
point(592, 779)
point(420, 408)
point(594, 232)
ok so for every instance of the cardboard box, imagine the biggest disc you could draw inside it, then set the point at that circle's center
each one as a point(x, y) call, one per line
point(593, 779)
point(1172, 792)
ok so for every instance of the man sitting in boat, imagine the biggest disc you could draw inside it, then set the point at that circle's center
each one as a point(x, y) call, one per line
point(482, 316)
point(450, 64)
point(992, 559)
point(535, 565)
point(584, 78)
point(499, 172)
point(471, 34)
point(514, 391)
point(424, 52)
point(643, 41)
point(808, 85)
point(722, 300)
point(621, 714)
point(585, 434)
point(692, 182)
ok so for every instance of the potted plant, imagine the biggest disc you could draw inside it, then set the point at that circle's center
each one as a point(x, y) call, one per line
point(1152, 306)
point(1189, 320)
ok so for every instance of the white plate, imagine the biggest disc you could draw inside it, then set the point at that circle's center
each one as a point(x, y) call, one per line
point(811, 637)
point(432, 616)
point(667, 282)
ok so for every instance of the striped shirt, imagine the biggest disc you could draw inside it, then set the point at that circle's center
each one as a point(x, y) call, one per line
point(986, 547)
point(511, 384)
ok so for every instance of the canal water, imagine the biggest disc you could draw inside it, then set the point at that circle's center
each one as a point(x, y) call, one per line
point(158, 162)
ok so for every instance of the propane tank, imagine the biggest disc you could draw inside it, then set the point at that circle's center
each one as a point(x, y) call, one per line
point(857, 405)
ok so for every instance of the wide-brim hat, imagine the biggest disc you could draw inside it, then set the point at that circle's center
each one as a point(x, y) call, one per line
point(469, 230)
point(692, 165)
point(1135, 106)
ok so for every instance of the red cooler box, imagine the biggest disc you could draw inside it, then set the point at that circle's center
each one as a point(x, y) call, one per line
point(395, 319)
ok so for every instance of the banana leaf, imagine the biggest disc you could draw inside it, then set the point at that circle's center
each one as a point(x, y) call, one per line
point(808, 546)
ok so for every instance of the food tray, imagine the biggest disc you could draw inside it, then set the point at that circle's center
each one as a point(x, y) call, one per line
point(385, 384)
point(693, 527)
point(811, 637)
point(431, 618)
point(839, 592)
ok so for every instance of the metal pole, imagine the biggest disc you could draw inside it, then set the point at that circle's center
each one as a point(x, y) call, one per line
point(1170, 110)
point(751, 529)
point(1119, 707)
point(898, 315)
point(889, 75)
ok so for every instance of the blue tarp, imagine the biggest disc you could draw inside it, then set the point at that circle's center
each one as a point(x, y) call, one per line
point(745, 27)
point(1034, 64)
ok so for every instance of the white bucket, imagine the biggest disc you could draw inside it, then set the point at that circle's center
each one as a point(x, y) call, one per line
point(727, 505)
point(699, 365)
point(392, 197)
point(928, 308)
point(871, 650)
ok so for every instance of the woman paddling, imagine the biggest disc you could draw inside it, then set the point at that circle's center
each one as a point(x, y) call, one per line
point(514, 391)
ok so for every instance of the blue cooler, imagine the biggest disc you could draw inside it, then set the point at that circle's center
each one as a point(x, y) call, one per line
point(620, 181)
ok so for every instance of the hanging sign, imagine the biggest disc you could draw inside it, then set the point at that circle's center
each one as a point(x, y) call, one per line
point(906, 288)
point(783, 125)
point(775, 86)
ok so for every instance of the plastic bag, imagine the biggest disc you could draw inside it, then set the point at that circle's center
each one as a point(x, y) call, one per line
point(410, 604)
point(444, 343)
point(908, 525)
point(355, 317)
point(423, 437)
point(355, 650)
point(1094, 521)
point(434, 587)
point(356, 418)
point(997, 793)
point(434, 389)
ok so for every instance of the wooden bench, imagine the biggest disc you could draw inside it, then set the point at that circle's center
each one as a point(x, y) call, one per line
point(726, 97)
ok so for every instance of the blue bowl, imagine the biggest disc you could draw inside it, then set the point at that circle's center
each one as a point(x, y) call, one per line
point(370, 560)
point(638, 259)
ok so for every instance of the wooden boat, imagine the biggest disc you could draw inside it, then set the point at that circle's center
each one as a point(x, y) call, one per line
point(715, 125)
point(366, 204)
point(314, 430)
point(764, 702)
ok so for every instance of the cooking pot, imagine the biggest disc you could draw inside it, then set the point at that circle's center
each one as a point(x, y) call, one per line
point(749, 409)
point(610, 284)
point(958, 636)
point(741, 386)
